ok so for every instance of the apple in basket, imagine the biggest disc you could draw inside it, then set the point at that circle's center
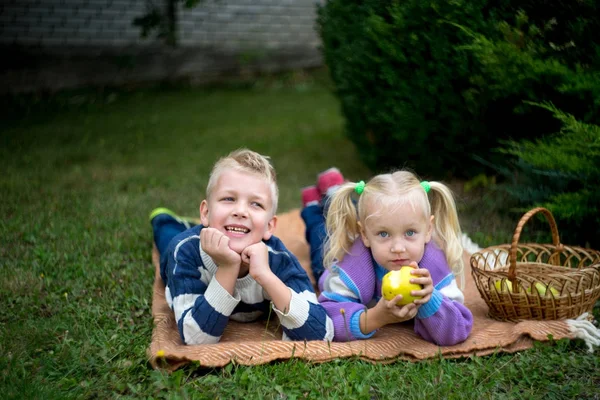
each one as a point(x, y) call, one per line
point(398, 282)
point(503, 285)
point(541, 289)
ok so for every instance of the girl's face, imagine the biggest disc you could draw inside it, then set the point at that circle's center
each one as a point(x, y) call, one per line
point(396, 235)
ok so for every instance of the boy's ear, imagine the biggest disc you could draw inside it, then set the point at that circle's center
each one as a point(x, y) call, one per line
point(429, 229)
point(204, 213)
point(363, 235)
point(270, 228)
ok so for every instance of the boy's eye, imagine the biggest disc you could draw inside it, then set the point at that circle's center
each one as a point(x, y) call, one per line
point(257, 204)
point(383, 234)
point(410, 233)
point(227, 199)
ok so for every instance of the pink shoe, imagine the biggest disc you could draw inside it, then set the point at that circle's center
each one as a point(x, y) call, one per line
point(329, 179)
point(310, 196)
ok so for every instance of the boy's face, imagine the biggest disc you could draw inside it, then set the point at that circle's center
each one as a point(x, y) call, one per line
point(240, 206)
point(396, 236)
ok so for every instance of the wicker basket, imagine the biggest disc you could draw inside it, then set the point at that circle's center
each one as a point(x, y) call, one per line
point(537, 281)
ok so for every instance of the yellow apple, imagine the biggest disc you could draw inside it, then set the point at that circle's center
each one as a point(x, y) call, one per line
point(398, 282)
point(541, 289)
point(504, 285)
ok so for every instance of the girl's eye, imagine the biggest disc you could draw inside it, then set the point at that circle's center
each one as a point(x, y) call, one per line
point(383, 234)
point(410, 233)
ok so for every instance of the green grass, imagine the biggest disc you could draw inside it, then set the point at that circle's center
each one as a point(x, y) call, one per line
point(80, 173)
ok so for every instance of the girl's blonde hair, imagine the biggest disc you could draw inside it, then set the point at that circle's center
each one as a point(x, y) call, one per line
point(391, 189)
point(245, 160)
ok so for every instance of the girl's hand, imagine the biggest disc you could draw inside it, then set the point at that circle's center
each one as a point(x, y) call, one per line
point(216, 245)
point(423, 278)
point(391, 312)
point(386, 312)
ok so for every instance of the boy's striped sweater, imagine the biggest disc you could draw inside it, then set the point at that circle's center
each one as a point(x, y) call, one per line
point(203, 308)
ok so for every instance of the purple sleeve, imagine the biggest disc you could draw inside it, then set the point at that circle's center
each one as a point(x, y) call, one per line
point(449, 325)
point(442, 320)
point(355, 286)
point(341, 313)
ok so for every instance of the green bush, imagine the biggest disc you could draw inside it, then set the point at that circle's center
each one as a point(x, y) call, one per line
point(525, 66)
point(428, 84)
point(560, 172)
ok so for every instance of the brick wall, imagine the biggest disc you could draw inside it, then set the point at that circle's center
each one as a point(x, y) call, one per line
point(53, 44)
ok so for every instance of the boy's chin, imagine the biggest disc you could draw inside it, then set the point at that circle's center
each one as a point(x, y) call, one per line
point(239, 244)
point(238, 247)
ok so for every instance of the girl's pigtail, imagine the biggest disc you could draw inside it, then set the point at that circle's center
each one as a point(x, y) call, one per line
point(447, 227)
point(342, 224)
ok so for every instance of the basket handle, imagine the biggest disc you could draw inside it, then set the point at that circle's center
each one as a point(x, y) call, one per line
point(513, 247)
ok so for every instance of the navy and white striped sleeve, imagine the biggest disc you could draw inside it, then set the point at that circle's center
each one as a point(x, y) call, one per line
point(306, 319)
point(201, 305)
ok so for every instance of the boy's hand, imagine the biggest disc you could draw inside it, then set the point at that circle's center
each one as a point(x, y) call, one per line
point(257, 257)
point(423, 278)
point(216, 245)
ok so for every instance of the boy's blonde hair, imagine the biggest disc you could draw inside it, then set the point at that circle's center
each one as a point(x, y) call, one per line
point(391, 189)
point(245, 160)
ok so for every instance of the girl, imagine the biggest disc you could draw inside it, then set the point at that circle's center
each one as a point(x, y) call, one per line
point(392, 224)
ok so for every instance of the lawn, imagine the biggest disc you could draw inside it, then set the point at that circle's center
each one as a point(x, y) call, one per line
point(81, 172)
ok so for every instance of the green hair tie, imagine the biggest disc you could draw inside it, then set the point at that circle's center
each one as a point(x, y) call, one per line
point(359, 187)
point(426, 186)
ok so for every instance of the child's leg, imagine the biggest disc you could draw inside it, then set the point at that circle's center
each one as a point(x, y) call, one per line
point(166, 225)
point(315, 200)
point(315, 236)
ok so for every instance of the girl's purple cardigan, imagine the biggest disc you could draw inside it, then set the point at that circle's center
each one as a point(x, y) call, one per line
point(355, 282)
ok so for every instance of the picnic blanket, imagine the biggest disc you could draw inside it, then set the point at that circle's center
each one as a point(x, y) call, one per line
point(259, 342)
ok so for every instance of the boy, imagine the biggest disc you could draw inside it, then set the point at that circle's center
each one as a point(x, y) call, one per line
point(231, 266)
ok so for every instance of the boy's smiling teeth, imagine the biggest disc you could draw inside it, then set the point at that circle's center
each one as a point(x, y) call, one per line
point(237, 229)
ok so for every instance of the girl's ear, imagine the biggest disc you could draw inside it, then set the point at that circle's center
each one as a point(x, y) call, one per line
point(270, 228)
point(430, 229)
point(204, 213)
point(363, 235)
